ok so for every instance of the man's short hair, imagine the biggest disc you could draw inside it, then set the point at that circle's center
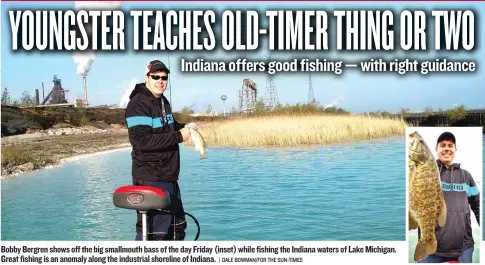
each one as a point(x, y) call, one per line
point(446, 136)
point(156, 66)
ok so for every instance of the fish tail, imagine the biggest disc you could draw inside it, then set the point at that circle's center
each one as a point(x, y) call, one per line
point(424, 249)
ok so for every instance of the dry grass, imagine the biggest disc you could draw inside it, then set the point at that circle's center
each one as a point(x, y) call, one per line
point(298, 130)
point(282, 131)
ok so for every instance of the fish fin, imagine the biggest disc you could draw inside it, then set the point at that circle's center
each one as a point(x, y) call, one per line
point(420, 251)
point(423, 250)
point(203, 156)
point(442, 215)
point(413, 224)
point(432, 246)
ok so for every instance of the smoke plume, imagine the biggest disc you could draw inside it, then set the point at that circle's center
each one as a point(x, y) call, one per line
point(85, 60)
point(127, 91)
point(338, 97)
point(335, 102)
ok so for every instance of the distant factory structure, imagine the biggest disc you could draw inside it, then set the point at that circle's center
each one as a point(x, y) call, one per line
point(57, 96)
point(248, 96)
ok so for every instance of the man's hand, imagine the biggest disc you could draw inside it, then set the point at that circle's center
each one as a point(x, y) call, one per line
point(185, 134)
point(192, 125)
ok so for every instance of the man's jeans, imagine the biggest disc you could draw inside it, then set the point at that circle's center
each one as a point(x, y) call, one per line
point(466, 257)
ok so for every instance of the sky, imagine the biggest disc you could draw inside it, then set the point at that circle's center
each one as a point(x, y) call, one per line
point(113, 74)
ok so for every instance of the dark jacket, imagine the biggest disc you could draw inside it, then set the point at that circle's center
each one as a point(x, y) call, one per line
point(461, 194)
point(155, 140)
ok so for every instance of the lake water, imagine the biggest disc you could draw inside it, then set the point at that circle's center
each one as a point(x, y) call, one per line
point(344, 192)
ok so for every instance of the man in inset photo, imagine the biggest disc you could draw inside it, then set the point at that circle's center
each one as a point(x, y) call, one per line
point(455, 239)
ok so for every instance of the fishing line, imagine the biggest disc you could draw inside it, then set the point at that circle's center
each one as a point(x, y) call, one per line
point(193, 218)
point(175, 188)
point(170, 81)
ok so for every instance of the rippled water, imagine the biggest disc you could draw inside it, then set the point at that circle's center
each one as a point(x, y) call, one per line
point(343, 192)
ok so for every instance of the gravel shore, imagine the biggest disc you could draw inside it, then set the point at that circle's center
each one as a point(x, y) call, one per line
point(50, 148)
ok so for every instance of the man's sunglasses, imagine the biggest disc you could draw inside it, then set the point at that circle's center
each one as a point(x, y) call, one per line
point(156, 77)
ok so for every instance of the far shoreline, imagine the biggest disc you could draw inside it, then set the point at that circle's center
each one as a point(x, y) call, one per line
point(119, 148)
point(69, 159)
point(127, 146)
point(41, 150)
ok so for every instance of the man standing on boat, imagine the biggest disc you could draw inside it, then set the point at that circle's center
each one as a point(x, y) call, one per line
point(155, 136)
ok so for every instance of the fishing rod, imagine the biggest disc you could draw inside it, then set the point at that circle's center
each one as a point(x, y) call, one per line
point(145, 198)
point(170, 82)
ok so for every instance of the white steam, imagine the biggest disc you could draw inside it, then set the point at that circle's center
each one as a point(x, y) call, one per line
point(127, 91)
point(338, 97)
point(85, 59)
point(334, 102)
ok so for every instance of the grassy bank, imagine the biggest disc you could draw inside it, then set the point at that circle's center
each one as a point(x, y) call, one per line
point(293, 130)
point(23, 153)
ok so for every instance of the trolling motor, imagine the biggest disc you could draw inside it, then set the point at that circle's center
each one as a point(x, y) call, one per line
point(143, 199)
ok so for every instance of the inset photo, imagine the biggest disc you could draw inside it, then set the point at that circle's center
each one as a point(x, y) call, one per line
point(444, 175)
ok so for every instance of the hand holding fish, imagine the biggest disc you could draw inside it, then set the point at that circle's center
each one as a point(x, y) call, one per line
point(192, 125)
point(185, 134)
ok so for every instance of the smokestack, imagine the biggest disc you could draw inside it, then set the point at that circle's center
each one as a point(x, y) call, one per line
point(85, 92)
point(37, 96)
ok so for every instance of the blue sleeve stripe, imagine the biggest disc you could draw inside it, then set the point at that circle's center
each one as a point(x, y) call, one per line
point(157, 123)
point(473, 191)
point(139, 120)
point(459, 187)
point(147, 121)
